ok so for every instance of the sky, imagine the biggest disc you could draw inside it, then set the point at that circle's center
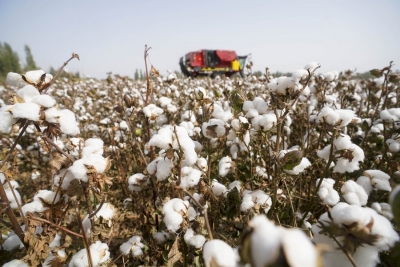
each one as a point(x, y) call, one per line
point(110, 36)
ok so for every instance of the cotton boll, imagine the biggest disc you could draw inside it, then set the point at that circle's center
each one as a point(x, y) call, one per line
point(225, 165)
point(214, 128)
point(44, 101)
point(15, 80)
point(191, 179)
point(28, 92)
point(68, 124)
point(305, 163)
point(172, 213)
point(11, 242)
point(93, 146)
point(267, 121)
point(312, 66)
point(152, 111)
point(327, 193)
point(393, 145)
point(161, 237)
point(6, 119)
point(260, 105)
point(47, 196)
point(219, 113)
point(299, 75)
point(132, 245)
point(99, 254)
point(365, 182)
point(35, 76)
point(346, 116)
point(15, 263)
point(354, 193)
point(191, 239)
point(217, 253)
point(383, 209)
point(328, 115)
point(29, 111)
point(134, 182)
point(34, 206)
point(299, 250)
point(217, 188)
point(379, 179)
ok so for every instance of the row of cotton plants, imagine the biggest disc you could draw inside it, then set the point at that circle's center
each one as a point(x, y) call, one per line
point(260, 171)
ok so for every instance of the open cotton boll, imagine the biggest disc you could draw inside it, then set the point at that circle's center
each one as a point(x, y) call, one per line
point(15, 263)
point(217, 253)
point(345, 116)
point(15, 79)
point(220, 113)
point(379, 179)
point(172, 211)
point(68, 124)
point(299, 250)
point(224, 166)
point(392, 114)
point(34, 206)
point(134, 182)
point(327, 193)
point(299, 74)
point(265, 241)
point(354, 193)
point(29, 111)
point(6, 119)
point(328, 115)
point(164, 101)
point(260, 105)
point(34, 76)
point(218, 188)
point(312, 66)
point(93, 146)
point(44, 101)
point(132, 245)
point(99, 254)
point(28, 93)
point(383, 209)
point(47, 196)
point(152, 111)
point(191, 179)
point(161, 237)
point(267, 121)
point(214, 128)
point(191, 239)
point(305, 163)
point(393, 145)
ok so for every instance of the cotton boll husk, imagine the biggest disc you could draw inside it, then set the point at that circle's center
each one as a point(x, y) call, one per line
point(218, 188)
point(44, 101)
point(68, 124)
point(6, 119)
point(217, 253)
point(29, 111)
point(354, 193)
point(298, 248)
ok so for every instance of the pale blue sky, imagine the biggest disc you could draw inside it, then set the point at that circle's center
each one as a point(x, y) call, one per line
point(281, 35)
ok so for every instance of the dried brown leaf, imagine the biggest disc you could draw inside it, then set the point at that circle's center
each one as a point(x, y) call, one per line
point(174, 254)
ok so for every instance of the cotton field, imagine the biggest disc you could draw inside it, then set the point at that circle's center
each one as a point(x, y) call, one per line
point(261, 171)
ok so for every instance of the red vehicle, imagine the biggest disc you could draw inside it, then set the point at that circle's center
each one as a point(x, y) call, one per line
point(213, 63)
